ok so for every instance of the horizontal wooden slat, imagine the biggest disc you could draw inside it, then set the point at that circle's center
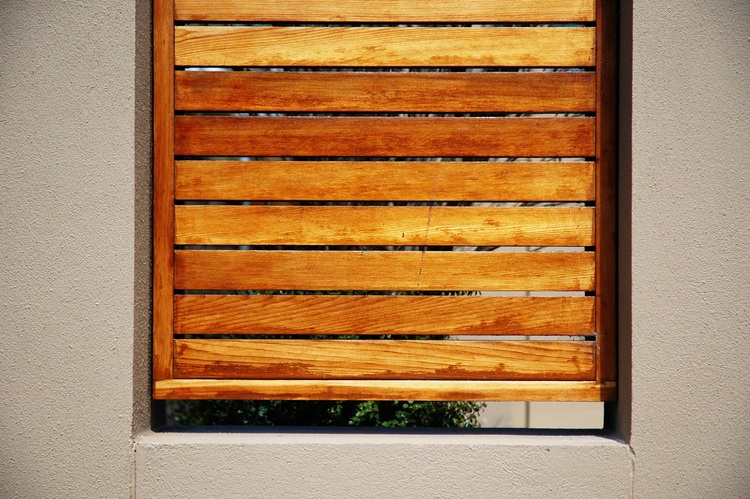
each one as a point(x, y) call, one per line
point(383, 315)
point(383, 270)
point(383, 181)
point(529, 391)
point(383, 226)
point(348, 136)
point(386, 10)
point(384, 92)
point(383, 46)
point(384, 359)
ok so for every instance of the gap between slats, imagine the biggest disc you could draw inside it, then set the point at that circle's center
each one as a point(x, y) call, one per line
point(384, 359)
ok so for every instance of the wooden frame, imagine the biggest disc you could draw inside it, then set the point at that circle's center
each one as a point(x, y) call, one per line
point(224, 226)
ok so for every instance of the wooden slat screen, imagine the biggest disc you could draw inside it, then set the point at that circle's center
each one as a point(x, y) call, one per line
point(384, 200)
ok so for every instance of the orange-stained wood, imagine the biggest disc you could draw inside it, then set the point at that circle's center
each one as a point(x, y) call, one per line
point(383, 181)
point(530, 391)
point(385, 359)
point(406, 370)
point(386, 11)
point(383, 226)
point(383, 46)
point(383, 270)
point(163, 188)
point(384, 92)
point(606, 191)
point(383, 315)
point(349, 136)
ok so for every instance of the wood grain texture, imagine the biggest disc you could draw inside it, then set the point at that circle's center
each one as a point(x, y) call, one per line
point(384, 92)
point(383, 315)
point(606, 189)
point(386, 11)
point(384, 359)
point(383, 270)
point(459, 369)
point(383, 226)
point(383, 181)
point(349, 136)
point(383, 46)
point(163, 189)
point(530, 391)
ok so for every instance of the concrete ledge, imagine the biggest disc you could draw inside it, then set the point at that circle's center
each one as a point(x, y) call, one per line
point(378, 464)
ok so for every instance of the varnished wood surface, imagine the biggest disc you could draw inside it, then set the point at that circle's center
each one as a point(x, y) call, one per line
point(383, 46)
point(163, 189)
point(383, 315)
point(606, 189)
point(383, 270)
point(354, 136)
point(383, 181)
point(384, 359)
point(383, 226)
point(384, 92)
point(383, 137)
point(386, 10)
point(530, 391)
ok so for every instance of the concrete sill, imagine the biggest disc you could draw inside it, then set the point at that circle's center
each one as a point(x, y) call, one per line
point(425, 463)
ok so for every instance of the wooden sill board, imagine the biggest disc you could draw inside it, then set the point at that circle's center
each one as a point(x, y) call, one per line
point(529, 391)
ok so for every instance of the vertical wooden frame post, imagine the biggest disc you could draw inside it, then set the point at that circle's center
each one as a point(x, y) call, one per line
point(163, 188)
point(606, 193)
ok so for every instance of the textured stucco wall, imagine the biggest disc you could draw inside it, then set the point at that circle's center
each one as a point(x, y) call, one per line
point(74, 238)
point(67, 251)
point(691, 248)
point(341, 465)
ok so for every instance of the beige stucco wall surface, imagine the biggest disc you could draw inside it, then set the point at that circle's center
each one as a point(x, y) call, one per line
point(74, 239)
point(67, 253)
point(691, 248)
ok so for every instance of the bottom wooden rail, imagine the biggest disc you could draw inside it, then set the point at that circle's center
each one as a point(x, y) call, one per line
point(530, 391)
